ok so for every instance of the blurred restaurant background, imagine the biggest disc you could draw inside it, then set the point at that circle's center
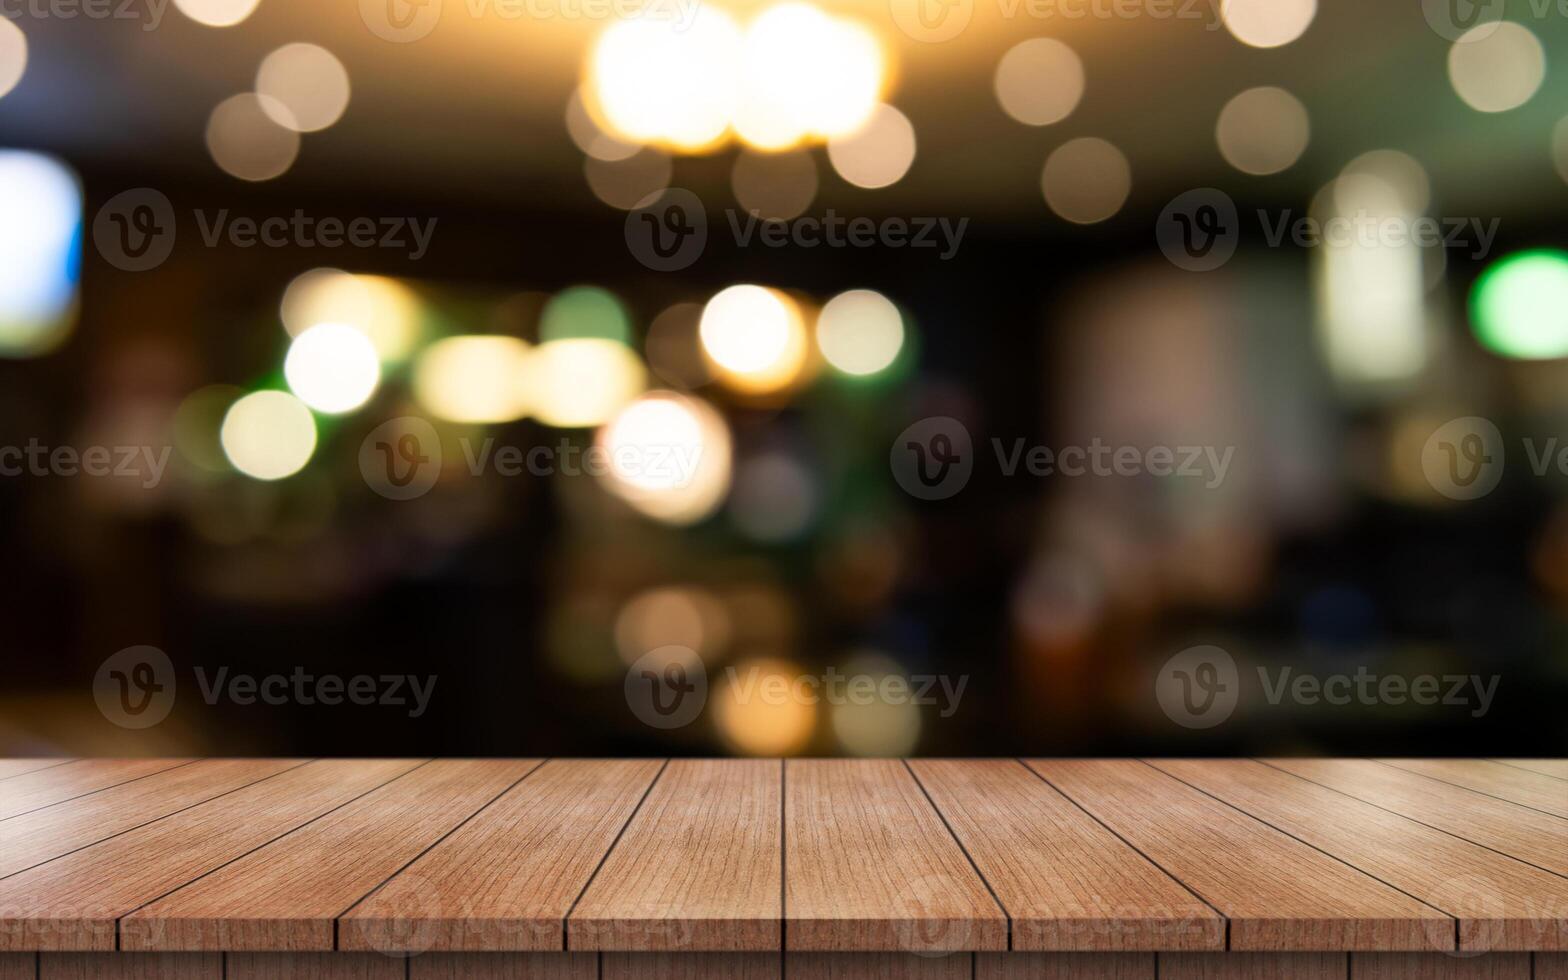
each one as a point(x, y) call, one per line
point(1050, 139)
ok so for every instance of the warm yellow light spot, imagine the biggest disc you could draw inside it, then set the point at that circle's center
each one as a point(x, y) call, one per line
point(1086, 180)
point(670, 457)
point(590, 137)
point(1496, 66)
point(1039, 81)
point(876, 717)
point(1262, 130)
point(13, 55)
point(307, 81)
point(860, 332)
point(760, 708)
point(332, 367)
point(877, 154)
point(246, 140)
point(1267, 23)
point(774, 185)
point(268, 435)
point(629, 182)
point(217, 13)
point(383, 309)
point(1409, 189)
point(474, 378)
point(755, 338)
point(805, 73)
point(671, 616)
point(659, 80)
point(582, 381)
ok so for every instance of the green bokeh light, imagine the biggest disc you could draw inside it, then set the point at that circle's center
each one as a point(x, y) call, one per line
point(585, 311)
point(1519, 306)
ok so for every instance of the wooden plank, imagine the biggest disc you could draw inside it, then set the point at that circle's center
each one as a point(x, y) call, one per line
point(1529, 789)
point(1501, 903)
point(1556, 768)
point(1551, 966)
point(1305, 900)
point(506, 879)
point(1526, 834)
point(56, 784)
point(699, 867)
point(18, 966)
point(879, 966)
point(1066, 882)
point(504, 966)
point(1064, 966)
point(138, 966)
point(693, 966)
point(1254, 966)
point(1426, 966)
point(287, 895)
point(869, 866)
point(17, 767)
point(42, 835)
point(73, 902)
point(312, 966)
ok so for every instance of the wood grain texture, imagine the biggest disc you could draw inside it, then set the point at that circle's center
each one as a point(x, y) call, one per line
point(1551, 966)
point(1501, 903)
point(504, 966)
point(1529, 835)
point(56, 784)
point(1556, 768)
point(698, 868)
point(39, 836)
point(1254, 966)
point(1530, 789)
point(18, 966)
point(1066, 882)
point(73, 902)
point(1425, 966)
point(1304, 900)
point(312, 966)
point(868, 865)
point(692, 966)
point(1064, 966)
point(506, 879)
point(879, 966)
point(137, 966)
point(286, 896)
point(16, 767)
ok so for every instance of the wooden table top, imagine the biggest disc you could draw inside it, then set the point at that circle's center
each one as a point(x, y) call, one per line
point(252, 855)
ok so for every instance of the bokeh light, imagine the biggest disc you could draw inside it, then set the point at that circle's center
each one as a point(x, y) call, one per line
point(775, 186)
point(383, 309)
point(775, 498)
point(1262, 130)
point(860, 332)
point(1401, 173)
point(582, 381)
point(755, 337)
point(673, 348)
point(657, 80)
point(754, 723)
point(1560, 147)
point(884, 724)
point(670, 457)
point(671, 616)
point(332, 367)
point(628, 182)
point(1086, 180)
point(246, 140)
point(40, 252)
point(805, 74)
point(1267, 23)
point(307, 82)
point(198, 423)
point(1519, 306)
point(268, 435)
point(13, 55)
point(217, 13)
point(877, 154)
point(585, 311)
point(1039, 81)
point(475, 378)
point(1495, 67)
point(589, 137)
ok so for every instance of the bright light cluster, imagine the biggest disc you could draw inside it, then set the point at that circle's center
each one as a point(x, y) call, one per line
point(793, 75)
